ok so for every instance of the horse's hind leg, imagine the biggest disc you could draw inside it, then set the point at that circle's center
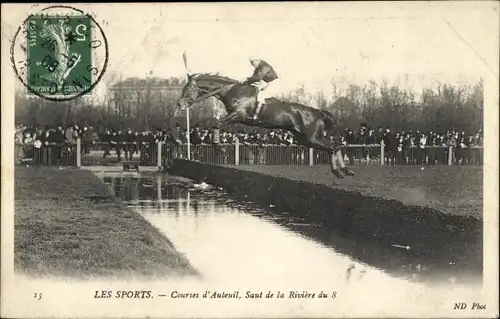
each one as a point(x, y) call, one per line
point(340, 158)
point(335, 155)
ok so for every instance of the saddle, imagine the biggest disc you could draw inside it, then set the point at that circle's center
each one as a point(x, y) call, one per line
point(267, 99)
point(271, 100)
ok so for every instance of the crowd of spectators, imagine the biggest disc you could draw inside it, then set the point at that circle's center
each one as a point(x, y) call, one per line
point(409, 147)
point(129, 141)
point(364, 136)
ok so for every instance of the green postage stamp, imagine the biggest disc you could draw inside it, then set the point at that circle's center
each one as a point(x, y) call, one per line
point(65, 53)
point(59, 53)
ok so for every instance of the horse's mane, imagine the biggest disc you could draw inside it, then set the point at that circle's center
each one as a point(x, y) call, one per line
point(215, 77)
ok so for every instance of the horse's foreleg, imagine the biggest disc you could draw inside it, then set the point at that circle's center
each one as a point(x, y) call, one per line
point(228, 119)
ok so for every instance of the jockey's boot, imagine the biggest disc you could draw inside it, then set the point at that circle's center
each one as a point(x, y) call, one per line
point(347, 171)
point(337, 173)
point(255, 117)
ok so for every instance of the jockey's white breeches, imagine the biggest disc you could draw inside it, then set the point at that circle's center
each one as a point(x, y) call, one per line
point(261, 85)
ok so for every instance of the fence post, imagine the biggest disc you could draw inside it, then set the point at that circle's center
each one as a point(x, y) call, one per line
point(78, 152)
point(382, 153)
point(450, 155)
point(237, 152)
point(159, 154)
point(311, 156)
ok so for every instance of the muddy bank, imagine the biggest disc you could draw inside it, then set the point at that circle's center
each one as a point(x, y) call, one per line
point(453, 190)
point(431, 234)
point(69, 224)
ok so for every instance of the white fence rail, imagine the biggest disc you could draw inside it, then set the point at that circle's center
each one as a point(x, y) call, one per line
point(162, 154)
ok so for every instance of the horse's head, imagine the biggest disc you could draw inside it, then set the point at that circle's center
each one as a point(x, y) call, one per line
point(200, 84)
point(190, 92)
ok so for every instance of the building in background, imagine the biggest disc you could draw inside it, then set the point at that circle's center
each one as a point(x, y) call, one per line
point(152, 102)
point(132, 94)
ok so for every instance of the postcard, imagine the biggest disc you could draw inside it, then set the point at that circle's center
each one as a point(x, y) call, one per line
point(248, 160)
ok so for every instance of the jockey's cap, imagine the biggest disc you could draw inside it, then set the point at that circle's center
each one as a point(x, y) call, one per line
point(254, 58)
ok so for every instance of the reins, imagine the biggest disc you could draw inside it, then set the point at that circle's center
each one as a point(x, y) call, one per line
point(209, 94)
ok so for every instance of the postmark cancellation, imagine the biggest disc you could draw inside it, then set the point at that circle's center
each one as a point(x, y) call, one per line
point(59, 53)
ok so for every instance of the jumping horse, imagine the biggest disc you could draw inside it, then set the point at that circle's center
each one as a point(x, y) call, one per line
point(307, 124)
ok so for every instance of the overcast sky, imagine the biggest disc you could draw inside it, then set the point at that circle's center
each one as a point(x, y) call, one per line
point(307, 43)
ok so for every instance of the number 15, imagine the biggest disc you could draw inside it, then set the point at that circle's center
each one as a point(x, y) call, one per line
point(38, 295)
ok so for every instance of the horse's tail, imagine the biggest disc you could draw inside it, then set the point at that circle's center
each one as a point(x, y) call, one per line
point(332, 126)
point(331, 122)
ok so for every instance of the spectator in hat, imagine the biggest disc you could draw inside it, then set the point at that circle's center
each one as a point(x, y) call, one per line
point(195, 135)
point(350, 139)
point(129, 147)
point(87, 139)
point(69, 136)
point(390, 146)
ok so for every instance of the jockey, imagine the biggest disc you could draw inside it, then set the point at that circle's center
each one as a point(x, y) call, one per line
point(262, 76)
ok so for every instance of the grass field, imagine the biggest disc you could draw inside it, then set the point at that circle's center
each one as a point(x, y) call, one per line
point(67, 223)
point(456, 190)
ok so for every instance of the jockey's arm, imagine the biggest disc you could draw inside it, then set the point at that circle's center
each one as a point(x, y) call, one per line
point(257, 75)
point(251, 80)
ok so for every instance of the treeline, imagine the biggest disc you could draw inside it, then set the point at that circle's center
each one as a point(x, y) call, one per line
point(440, 108)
